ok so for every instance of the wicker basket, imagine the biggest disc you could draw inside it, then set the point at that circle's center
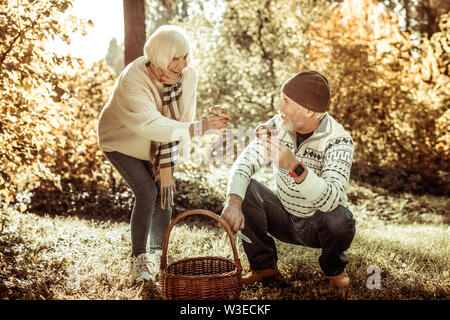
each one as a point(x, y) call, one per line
point(201, 278)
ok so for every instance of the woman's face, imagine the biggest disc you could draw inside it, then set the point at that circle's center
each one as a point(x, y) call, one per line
point(176, 66)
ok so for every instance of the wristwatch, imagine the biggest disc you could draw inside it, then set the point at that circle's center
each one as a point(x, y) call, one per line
point(298, 170)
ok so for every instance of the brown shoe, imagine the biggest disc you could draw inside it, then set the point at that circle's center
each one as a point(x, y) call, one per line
point(340, 281)
point(258, 275)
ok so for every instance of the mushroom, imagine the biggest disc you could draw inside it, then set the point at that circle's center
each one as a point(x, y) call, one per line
point(221, 112)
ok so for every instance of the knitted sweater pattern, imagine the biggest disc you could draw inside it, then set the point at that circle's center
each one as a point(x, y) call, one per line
point(327, 154)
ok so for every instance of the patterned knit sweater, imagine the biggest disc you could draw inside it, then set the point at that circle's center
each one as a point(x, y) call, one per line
point(327, 154)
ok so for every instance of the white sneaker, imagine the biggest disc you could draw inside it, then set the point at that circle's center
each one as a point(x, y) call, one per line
point(141, 268)
point(155, 260)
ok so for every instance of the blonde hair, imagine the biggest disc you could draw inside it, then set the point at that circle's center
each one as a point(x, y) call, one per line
point(166, 43)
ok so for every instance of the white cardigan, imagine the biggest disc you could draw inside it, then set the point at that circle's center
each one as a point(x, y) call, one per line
point(131, 118)
point(327, 154)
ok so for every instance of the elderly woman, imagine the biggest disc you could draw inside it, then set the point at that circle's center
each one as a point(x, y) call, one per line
point(145, 125)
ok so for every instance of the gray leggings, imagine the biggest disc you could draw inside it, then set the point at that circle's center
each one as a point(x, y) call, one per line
point(147, 216)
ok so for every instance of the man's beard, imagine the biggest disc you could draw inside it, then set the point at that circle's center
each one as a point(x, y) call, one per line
point(288, 126)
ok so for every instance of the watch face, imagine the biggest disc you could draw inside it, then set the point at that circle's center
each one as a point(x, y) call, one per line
point(299, 170)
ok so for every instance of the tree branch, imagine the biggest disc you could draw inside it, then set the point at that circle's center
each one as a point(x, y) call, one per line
point(3, 56)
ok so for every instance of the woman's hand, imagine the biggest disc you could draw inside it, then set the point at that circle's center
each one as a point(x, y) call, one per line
point(214, 125)
point(209, 125)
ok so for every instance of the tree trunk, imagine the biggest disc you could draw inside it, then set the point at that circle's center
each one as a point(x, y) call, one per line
point(134, 18)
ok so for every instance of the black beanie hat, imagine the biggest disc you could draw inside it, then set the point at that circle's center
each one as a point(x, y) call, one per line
point(309, 89)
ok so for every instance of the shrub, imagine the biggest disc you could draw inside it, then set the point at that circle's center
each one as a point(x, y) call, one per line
point(50, 106)
point(398, 122)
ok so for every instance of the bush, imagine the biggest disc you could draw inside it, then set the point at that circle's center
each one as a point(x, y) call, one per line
point(198, 188)
point(248, 52)
point(87, 184)
point(50, 107)
point(33, 85)
point(399, 122)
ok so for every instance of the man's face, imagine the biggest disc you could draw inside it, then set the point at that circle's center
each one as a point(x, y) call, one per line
point(293, 115)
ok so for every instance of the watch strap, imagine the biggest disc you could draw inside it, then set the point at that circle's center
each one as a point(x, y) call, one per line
point(292, 173)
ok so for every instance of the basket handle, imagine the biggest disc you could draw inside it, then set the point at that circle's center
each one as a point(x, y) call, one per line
point(205, 213)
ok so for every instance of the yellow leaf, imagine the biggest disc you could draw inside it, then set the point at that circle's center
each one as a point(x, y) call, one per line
point(54, 123)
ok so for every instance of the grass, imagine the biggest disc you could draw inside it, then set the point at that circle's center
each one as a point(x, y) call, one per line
point(404, 237)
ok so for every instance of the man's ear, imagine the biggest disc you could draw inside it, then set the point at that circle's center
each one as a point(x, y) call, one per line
point(309, 113)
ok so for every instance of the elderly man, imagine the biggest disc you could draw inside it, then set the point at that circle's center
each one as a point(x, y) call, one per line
point(311, 155)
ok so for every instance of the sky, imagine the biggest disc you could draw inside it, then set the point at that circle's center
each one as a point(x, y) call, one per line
point(107, 16)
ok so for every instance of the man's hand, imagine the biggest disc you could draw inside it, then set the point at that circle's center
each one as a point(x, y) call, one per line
point(232, 213)
point(278, 153)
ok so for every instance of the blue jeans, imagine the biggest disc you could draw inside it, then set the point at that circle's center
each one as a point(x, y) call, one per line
point(332, 231)
point(147, 216)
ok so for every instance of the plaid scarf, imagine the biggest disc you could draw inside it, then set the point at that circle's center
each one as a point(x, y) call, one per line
point(164, 155)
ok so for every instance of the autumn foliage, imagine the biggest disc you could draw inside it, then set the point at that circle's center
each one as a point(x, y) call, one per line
point(394, 102)
point(390, 93)
point(49, 104)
